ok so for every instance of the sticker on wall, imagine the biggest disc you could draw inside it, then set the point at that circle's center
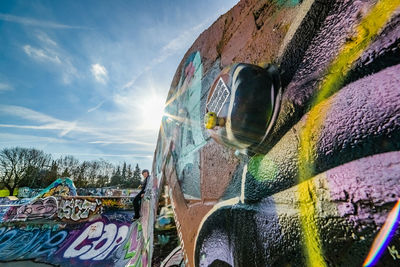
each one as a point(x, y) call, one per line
point(219, 97)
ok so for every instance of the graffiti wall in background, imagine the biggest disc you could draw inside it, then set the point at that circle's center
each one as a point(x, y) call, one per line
point(321, 187)
point(26, 192)
point(107, 191)
point(59, 227)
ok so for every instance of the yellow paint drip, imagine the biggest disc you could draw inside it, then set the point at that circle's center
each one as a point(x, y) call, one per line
point(307, 196)
point(306, 190)
point(366, 31)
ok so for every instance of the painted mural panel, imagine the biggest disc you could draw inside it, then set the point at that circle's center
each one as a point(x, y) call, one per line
point(318, 185)
point(184, 124)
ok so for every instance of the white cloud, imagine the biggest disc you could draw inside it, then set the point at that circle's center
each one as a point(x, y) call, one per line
point(69, 72)
point(36, 22)
point(96, 107)
point(100, 73)
point(22, 138)
point(121, 141)
point(183, 40)
point(93, 135)
point(5, 87)
point(108, 155)
point(179, 43)
point(26, 113)
point(41, 54)
point(50, 53)
point(50, 123)
point(44, 38)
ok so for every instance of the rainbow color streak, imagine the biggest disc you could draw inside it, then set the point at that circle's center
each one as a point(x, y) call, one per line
point(384, 236)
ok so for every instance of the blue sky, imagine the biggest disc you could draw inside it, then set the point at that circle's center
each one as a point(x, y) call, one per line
point(89, 78)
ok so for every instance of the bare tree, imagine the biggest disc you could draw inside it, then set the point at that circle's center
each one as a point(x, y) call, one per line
point(51, 174)
point(21, 166)
point(105, 172)
point(68, 166)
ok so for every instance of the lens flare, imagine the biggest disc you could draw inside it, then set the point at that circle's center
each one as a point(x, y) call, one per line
point(384, 236)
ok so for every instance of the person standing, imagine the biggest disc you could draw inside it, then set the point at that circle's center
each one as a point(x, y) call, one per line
point(137, 201)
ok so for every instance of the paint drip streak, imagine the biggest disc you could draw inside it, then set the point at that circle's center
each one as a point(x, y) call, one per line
point(366, 31)
point(307, 196)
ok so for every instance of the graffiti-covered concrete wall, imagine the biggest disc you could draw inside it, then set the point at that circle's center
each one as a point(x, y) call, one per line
point(298, 162)
point(61, 228)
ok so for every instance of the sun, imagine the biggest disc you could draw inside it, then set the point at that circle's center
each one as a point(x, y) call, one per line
point(152, 111)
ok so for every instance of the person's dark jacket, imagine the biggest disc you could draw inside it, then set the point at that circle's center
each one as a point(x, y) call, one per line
point(144, 184)
point(138, 199)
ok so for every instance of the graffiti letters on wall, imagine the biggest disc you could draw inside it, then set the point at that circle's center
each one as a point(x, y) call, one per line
point(77, 209)
point(29, 244)
point(60, 187)
point(38, 208)
point(136, 247)
point(96, 241)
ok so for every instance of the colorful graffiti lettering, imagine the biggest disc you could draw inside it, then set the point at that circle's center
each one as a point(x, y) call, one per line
point(97, 241)
point(134, 241)
point(29, 244)
point(44, 208)
point(77, 209)
point(26, 192)
point(117, 202)
point(60, 187)
point(136, 247)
